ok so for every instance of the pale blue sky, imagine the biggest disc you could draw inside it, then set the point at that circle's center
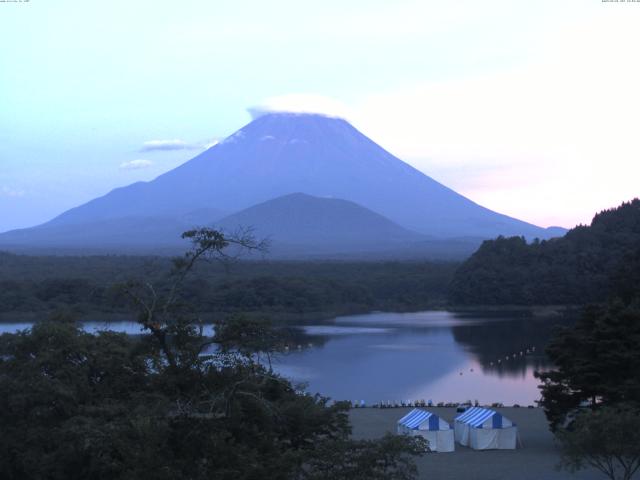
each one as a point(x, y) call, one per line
point(84, 84)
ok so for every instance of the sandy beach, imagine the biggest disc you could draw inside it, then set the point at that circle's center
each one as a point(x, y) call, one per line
point(536, 460)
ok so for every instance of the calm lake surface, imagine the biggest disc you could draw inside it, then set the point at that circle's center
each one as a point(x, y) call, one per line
point(435, 355)
point(438, 356)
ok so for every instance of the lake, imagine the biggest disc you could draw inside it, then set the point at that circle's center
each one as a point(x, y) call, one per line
point(439, 356)
point(392, 357)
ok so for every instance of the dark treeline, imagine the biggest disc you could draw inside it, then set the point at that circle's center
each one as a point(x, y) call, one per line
point(584, 266)
point(591, 396)
point(86, 285)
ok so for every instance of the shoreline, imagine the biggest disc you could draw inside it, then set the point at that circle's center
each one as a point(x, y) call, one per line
point(287, 318)
point(536, 459)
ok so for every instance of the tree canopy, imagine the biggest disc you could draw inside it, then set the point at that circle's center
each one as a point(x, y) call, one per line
point(572, 270)
point(607, 439)
point(34, 286)
point(592, 395)
point(172, 403)
point(596, 362)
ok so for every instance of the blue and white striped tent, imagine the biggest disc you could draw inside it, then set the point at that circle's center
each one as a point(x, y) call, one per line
point(430, 426)
point(482, 429)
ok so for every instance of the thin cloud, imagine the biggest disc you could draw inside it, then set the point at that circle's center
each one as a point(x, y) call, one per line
point(166, 145)
point(11, 192)
point(176, 144)
point(136, 164)
point(299, 103)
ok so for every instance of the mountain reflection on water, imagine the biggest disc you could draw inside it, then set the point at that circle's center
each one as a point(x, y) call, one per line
point(436, 355)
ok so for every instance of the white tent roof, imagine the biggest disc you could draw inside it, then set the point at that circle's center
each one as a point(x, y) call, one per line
point(418, 419)
point(479, 417)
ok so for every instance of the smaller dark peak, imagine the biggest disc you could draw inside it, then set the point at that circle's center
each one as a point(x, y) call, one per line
point(299, 197)
point(310, 199)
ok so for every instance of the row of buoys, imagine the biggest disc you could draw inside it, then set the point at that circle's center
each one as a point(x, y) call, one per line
point(299, 347)
point(508, 357)
point(514, 356)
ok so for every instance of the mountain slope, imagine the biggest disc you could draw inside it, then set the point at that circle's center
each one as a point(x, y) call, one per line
point(132, 234)
point(278, 154)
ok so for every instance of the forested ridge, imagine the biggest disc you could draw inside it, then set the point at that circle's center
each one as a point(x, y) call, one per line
point(35, 285)
point(586, 265)
point(579, 268)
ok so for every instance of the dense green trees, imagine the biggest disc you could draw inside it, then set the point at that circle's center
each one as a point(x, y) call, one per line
point(387, 458)
point(76, 406)
point(607, 439)
point(592, 395)
point(173, 403)
point(279, 289)
point(575, 269)
point(597, 362)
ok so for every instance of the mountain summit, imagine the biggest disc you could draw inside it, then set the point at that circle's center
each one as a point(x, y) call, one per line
point(282, 153)
point(309, 223)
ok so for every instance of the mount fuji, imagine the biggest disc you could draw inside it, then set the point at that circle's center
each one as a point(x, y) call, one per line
point(276, 155)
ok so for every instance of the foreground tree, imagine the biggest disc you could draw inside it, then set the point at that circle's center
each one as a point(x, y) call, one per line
point(607, 439)
point(251, 337)
point(597, 363)
point(389, 457)
point(173, 322)
point(592, 397)
point(165, 405)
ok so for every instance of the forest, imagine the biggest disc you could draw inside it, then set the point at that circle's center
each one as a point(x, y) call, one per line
point(30, 286)
point(586, 265)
